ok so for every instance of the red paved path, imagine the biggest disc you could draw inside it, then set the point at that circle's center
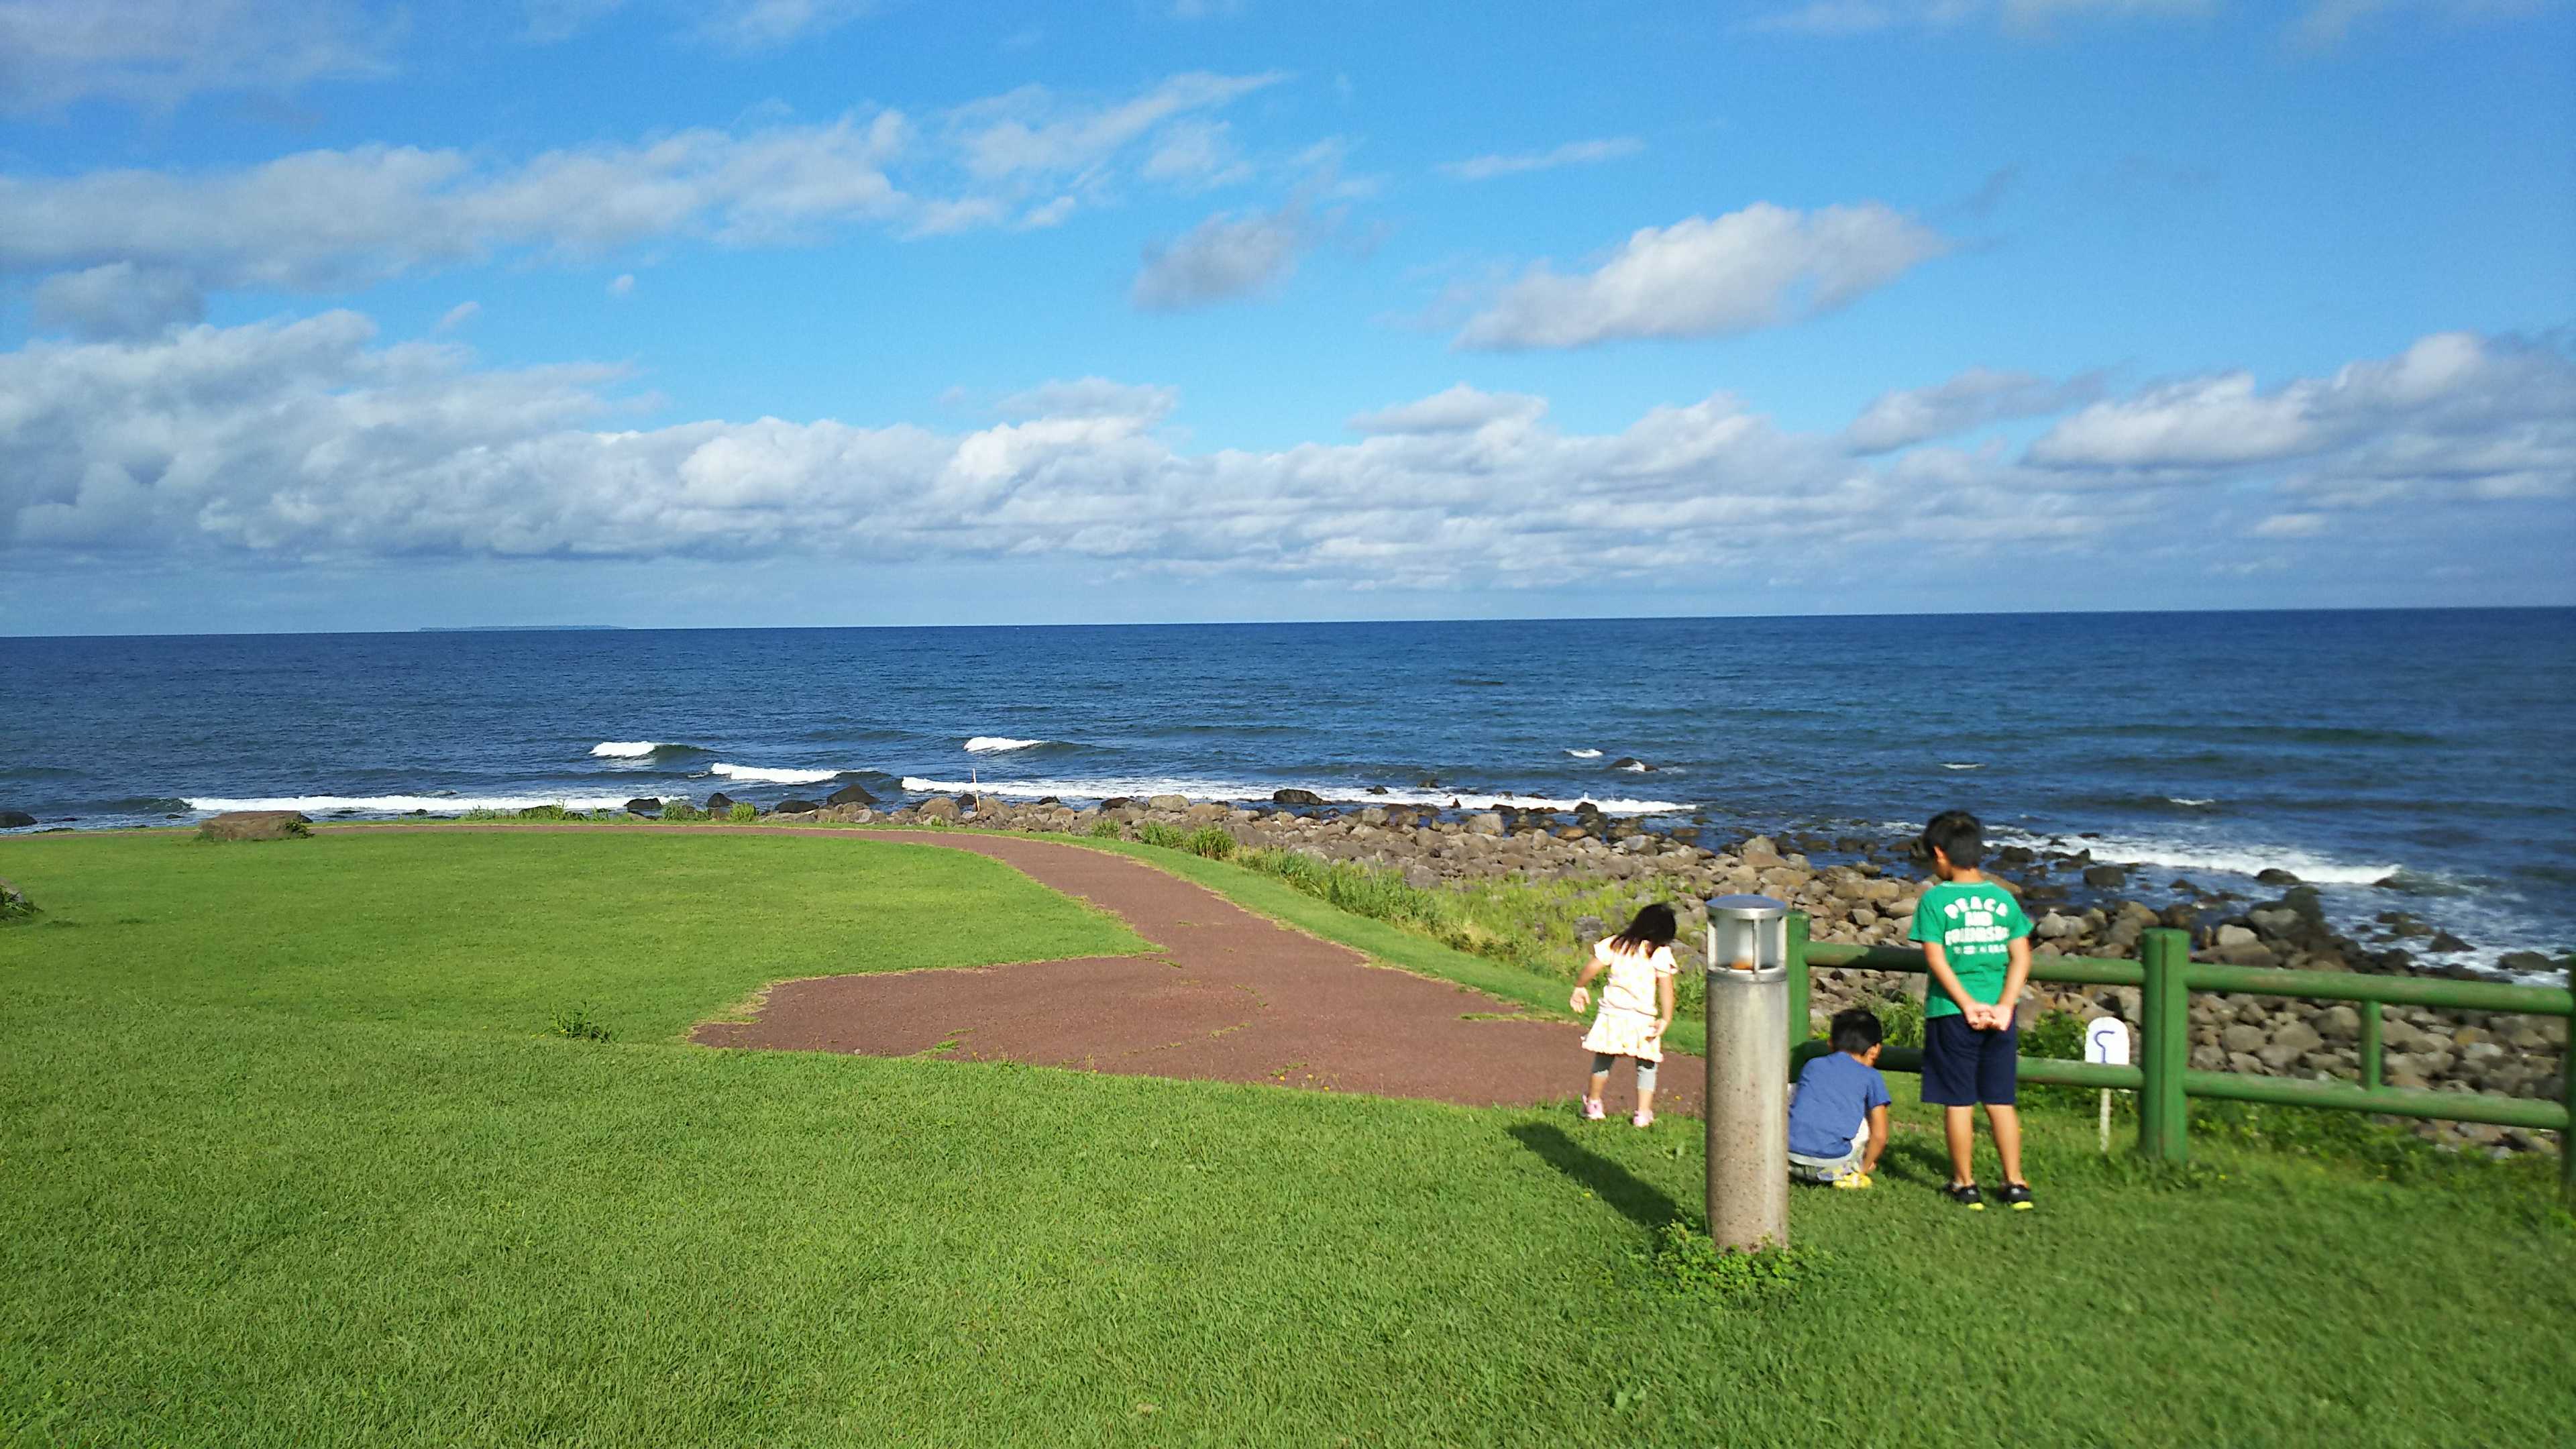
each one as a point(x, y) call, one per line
point(1234, 997)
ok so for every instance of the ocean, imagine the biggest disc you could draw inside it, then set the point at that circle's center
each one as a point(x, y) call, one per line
point(2433, 750)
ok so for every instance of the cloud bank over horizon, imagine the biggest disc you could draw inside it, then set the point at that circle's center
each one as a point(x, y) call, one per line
point(314, 440)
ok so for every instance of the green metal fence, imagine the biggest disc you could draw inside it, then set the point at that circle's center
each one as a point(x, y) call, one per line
point(2164, 1078)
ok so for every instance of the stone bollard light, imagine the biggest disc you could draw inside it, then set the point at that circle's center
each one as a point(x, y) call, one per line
point(1748, 1072)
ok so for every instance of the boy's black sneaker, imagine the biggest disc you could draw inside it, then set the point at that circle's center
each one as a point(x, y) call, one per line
point(1965, 1194)
point(2017, 1196)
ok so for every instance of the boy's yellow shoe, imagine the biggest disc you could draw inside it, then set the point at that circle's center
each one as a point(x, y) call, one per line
point(1853, 1180)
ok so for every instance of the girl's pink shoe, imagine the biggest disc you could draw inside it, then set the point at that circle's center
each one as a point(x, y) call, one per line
point(1592, 1112)
point(1642, 1119)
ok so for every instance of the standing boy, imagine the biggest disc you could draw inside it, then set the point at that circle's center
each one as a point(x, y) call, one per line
point(1838, 1093)
point(1977, 942)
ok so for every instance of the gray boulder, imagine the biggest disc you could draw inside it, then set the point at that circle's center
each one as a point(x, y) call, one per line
point(1295, 797)
point(13, 819)
point(643, 805)
point(850, 795)
point(1167, 802)
point(937, 807)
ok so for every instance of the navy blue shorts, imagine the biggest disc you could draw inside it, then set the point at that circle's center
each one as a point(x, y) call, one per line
point(1963, 1066)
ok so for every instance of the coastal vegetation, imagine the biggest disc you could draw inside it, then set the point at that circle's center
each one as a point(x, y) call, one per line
point(391, 1138)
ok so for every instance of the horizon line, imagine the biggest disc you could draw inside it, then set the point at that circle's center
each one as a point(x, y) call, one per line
point(594, 628)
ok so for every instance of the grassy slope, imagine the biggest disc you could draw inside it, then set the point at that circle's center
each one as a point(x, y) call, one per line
point(254, 1220)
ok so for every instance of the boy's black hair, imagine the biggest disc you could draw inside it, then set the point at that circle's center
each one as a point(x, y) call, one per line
point(1654, 926)
point(1958, 835)
point(1857, 1030)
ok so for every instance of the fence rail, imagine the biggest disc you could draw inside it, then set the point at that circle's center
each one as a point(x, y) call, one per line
point(2164, 1078)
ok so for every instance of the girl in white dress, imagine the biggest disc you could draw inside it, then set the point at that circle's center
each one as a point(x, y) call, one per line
point(1636, 1005)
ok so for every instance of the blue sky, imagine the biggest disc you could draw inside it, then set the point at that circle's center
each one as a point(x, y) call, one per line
point(318, 315)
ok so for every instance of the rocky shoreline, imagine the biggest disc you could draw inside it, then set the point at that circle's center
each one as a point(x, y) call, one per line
point(1862, 892)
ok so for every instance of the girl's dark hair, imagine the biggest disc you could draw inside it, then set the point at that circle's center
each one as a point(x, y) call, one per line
point(1653, 927)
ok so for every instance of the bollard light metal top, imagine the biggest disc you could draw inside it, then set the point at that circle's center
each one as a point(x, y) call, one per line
point(1748, 908)
point(1748, 939)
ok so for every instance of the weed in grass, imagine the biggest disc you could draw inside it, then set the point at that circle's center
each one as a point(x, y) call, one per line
point(743, 812)
point(1155, 832)
point(1104, 830)
point(15, 908)
point(1687, 1263)
point(576, 1023)
point(1209, 841)
point(681, 810)
point(555, 811)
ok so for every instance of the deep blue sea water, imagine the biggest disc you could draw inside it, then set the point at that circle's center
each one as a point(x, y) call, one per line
point(2435, 746)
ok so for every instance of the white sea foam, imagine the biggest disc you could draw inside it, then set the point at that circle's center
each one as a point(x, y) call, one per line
point(759, 775)
point(1585, 754)
point(403, 804)
point(2220, 856)
point(1637, 767)
point(1972, 765)
point(1138, 787)
point(624, 749)
point(2188, 802)
point(999, 744)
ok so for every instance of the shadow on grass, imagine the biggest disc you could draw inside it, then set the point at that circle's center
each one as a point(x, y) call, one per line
point(1637, 1201)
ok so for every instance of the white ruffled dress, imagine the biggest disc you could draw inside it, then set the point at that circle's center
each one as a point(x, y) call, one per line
point(1625, 1025)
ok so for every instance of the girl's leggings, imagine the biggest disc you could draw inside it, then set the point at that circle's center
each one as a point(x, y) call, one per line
point(1603, 1061)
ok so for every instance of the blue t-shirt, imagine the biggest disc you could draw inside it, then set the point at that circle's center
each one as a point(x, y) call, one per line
point(1835, 1093)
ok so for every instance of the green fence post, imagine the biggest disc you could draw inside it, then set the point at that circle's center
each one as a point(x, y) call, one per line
point(1798, 1027)
point(2567, 1074)
point(2370, 1051)
point(2164, 1010)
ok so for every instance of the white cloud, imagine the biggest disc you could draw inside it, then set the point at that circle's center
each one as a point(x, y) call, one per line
point(1458, 409)
point(1703, 277)
point(1866, 17)
point(2327, 23)
point(756, 25)
point(119, 300)
point(160, 52)
point(1034, 132)
point(2291, 525)
point(2455, 415)
point(1572, 153)
point(458, 315)
point(320, 220)
point(1196, 154)
point(1972, 399)
point(1090, 397)
point(553, 20)
point(308, 441)
point(330, 220)
point(311, 442)
point(1229, 255)
point(622, 285)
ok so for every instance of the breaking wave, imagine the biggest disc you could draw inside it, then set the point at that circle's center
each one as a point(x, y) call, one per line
point(1000, 744)
point(1200, 789)
point(1585, 754)
point(401, 804)
point(2224, 857)
point(640, 750)
point(759, 775)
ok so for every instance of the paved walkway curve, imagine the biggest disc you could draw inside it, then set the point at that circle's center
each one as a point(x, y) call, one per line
point(1234, 997)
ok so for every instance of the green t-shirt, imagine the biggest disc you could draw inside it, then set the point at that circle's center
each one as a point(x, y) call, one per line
point(1974, 924)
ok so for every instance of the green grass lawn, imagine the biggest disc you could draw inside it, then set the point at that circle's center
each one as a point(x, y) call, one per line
point(287, 1163)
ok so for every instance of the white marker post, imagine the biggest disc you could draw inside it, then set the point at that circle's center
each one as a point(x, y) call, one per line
point(2106, 1043)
